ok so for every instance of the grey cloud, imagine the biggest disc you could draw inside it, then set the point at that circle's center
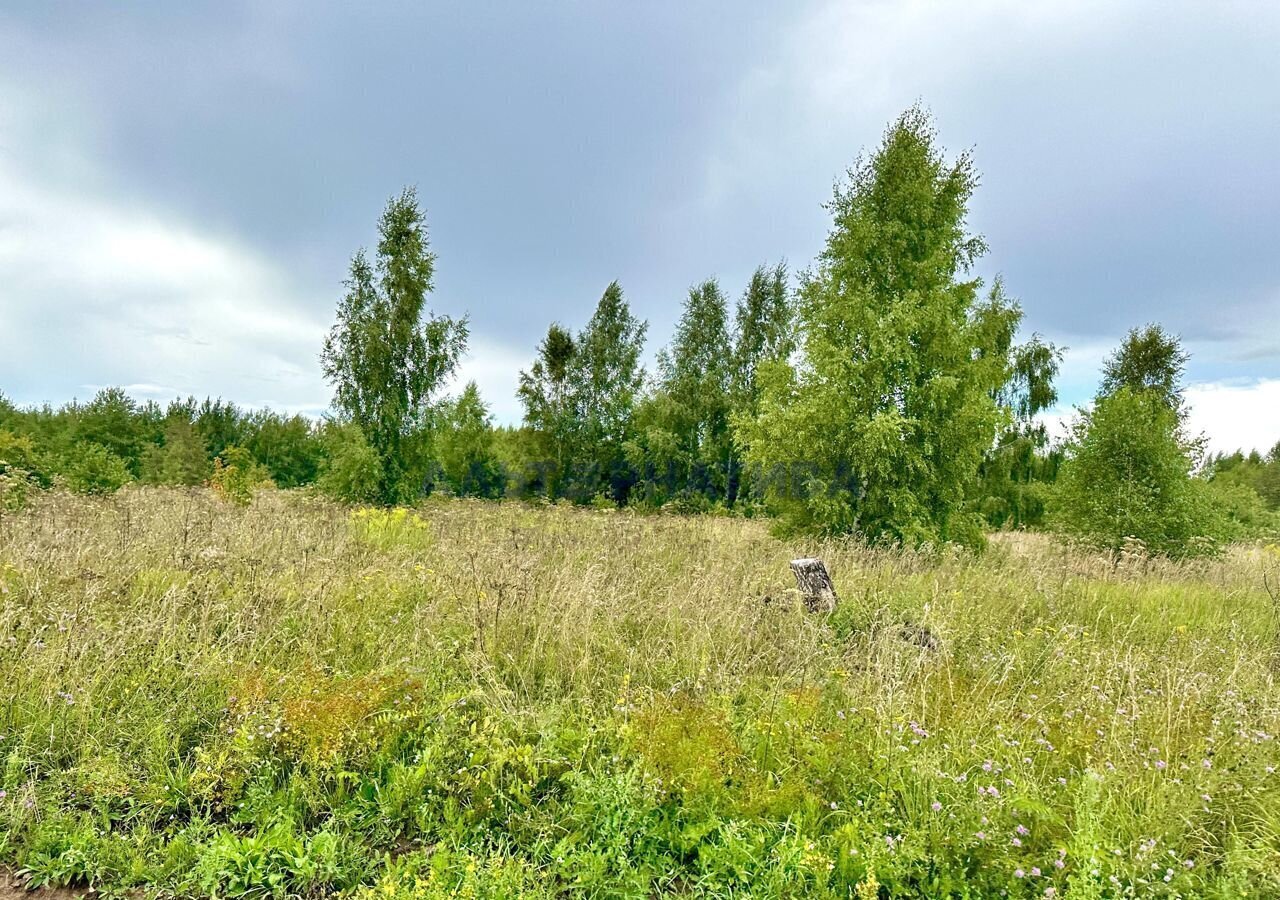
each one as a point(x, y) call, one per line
point(1126, 149)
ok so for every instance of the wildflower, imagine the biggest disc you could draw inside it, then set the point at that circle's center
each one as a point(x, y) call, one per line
point(3, 794)
point(1022, 829)
point(1017, 842)
point(1035, 871)
point(1018, 873)
point(936, 806)
point(980, 835)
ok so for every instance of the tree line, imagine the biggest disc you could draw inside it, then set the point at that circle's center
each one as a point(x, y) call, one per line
point(883, 392)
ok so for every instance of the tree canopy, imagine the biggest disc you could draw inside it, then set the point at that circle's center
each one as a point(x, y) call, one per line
point(388, 355)
point(880, 425)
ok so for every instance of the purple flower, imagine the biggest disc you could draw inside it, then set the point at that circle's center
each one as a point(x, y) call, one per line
point(936, 806)
point(1018, 873)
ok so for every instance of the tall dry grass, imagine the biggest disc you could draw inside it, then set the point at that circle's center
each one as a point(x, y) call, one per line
point(1121, 711)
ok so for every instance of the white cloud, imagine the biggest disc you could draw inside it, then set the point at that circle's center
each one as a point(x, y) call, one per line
point(100, 289)
point(1236, 415)
point(136, 296)
point(495, 368)
point(1232, 415)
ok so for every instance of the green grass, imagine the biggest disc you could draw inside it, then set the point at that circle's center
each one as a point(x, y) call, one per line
point(496, 700)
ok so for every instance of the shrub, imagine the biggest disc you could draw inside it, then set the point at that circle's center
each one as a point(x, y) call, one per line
point(1241, 513)
point(93, 469)
point(181, 459)
point(236, 476)
point(17, 480)
point(352, 471)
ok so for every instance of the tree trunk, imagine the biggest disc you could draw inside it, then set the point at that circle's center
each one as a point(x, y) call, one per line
point(815, 584)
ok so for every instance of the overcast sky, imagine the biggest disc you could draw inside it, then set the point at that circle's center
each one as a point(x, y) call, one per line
point(182, 185)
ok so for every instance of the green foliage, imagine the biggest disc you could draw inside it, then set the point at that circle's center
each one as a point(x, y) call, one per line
point(1254, 471)
point(351, 470)
point(17, 464)
point(181, 459)
point(607, 379)
point(683, 445)
point(174, 445)
point(464, 447)
point(289, 448)
point(16, 451)
point(90, 468)
point(220, 423)
point(1016, 478)
point(237, 476)
point(463, 701)
point(881, 426)
point(1015, 475)
point(1128, 475)
point(1149, 359)
point(387, 355)
point(111, 420)
point(550, 401)
point(763, 322)
point(1243, 515)
point(388, 529)
point(273, 863)
point(445, 874)
point(580, 396)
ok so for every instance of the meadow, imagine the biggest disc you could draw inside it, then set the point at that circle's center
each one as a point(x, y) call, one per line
point(483, 699)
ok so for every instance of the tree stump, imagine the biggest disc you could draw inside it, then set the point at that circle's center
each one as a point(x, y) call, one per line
point(816, 588)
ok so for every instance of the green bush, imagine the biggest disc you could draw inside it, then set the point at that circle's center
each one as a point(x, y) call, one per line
point(237, 475)
point(93, 469)
point(352, 470)
point(1241, 513)
point(17, 478)
point(181, 459)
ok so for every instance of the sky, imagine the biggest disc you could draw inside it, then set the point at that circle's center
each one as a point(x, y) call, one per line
point(182, 186)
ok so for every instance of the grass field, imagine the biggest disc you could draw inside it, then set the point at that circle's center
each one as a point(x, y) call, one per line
point(484, 700)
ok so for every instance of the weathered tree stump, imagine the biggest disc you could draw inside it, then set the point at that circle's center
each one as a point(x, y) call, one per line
point(816, 588)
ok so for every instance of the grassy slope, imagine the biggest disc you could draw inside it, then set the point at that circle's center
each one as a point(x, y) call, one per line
point(494, 700)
